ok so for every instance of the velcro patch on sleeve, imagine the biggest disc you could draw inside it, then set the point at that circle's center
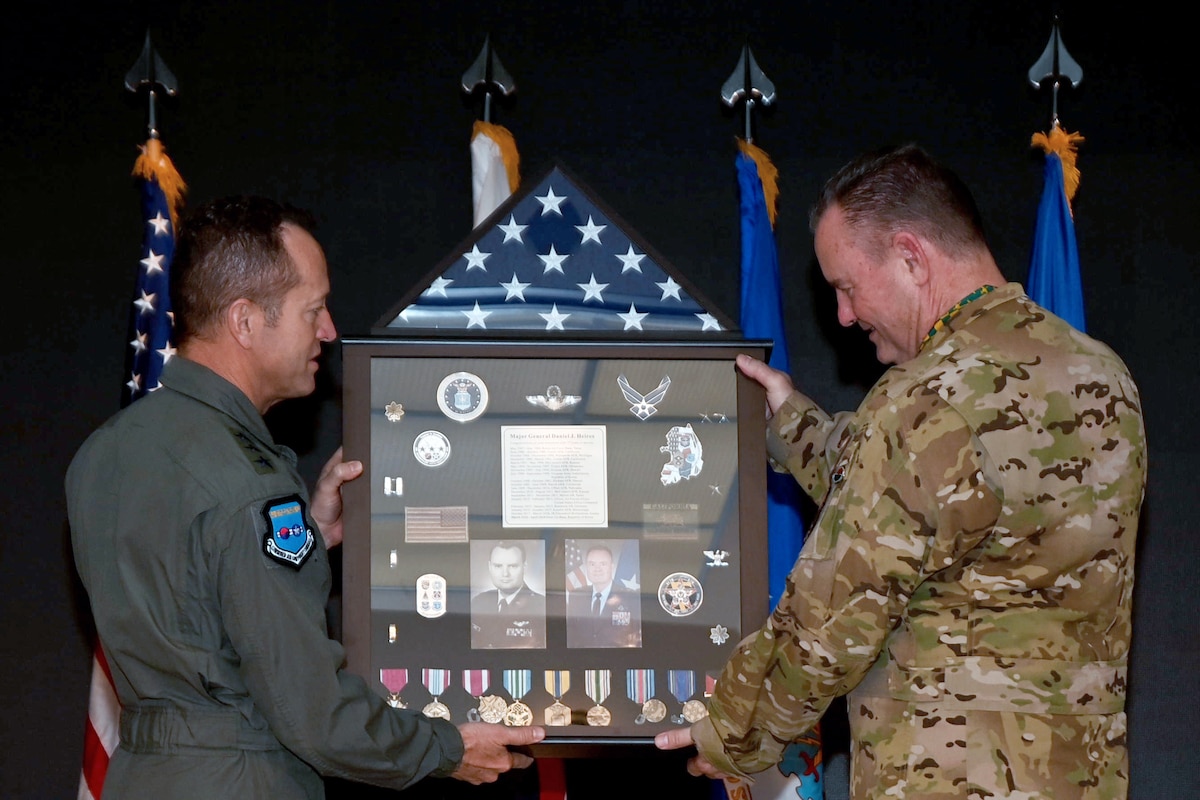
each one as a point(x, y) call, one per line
point(289, 538)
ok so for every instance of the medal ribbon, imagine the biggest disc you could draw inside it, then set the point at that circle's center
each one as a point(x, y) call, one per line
point(710, 683)
point(597, 684)
point(682, 683)
point(518, 682)
point(558, 682)
point(476, 681)
point(435, 680)
point(639, 685)
point(394, 680)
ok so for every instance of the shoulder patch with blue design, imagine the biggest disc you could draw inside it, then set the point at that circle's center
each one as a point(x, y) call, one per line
point(289, 538)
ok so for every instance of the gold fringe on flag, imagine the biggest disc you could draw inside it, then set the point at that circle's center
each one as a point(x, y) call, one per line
point(508, 149)
point(1063, 144)
point(767, 173)
point(154, 163)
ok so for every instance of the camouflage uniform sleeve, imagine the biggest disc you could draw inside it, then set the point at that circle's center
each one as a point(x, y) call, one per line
point(909, 493)
point(804, 440)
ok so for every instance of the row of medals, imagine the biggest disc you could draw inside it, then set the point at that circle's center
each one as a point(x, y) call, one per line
point(494, 709)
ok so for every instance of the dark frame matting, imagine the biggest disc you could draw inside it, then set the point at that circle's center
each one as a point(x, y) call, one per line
point(504, 363)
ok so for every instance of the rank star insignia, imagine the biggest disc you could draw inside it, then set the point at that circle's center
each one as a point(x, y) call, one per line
point(719, 634)
point(394, 412)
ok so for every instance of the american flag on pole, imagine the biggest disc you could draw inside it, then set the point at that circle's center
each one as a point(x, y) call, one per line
point(151, 346)
point(555, 260)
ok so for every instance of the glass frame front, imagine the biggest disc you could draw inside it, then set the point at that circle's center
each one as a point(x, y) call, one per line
point(505, 482)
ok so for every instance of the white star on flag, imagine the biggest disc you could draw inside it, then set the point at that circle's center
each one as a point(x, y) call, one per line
point(514, 288)
point(633, 318)
point(145, 303)
point(591, 231)
point(475, 259)
point(153, 263)
point(669, 288)
point(553, 261)
point(476, 316)
point(554, 320)
point(439, 286)
point(551, 202)
point(631, 261)
point(592, 290)
point(162, 225)
point(512, 231)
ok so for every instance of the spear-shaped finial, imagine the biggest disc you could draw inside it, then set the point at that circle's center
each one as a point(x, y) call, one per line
point(1055, 64)
point(487, 72)
point(748, 81)
point(149, 70)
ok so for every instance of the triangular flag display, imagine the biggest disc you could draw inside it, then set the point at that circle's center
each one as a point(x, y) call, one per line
point(1054, 277)
point(151, 327)
point(555, 259)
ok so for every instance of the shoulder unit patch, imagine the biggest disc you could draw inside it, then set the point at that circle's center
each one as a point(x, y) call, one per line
point(289, 538)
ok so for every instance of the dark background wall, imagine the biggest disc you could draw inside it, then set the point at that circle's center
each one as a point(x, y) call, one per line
point(354, 110)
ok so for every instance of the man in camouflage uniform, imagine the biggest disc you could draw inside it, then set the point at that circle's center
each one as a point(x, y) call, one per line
point(968, 580)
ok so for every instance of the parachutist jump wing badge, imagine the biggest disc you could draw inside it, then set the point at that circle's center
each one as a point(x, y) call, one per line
point(553, 399)
point(644, 406)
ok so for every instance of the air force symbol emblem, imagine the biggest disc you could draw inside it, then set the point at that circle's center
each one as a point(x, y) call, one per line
point(289, 539)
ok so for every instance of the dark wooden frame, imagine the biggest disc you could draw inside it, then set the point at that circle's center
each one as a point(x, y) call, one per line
point(748, 555)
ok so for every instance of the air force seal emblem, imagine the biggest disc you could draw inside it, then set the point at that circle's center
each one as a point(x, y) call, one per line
point(289, 539)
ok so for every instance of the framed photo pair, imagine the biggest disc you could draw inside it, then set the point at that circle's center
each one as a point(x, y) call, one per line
point(569, 534)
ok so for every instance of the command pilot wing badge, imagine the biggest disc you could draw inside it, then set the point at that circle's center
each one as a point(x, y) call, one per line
point(553, 399)
point(644, 406)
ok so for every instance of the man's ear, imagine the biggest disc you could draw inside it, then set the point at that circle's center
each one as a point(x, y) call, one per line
point(913, 250)
point(242, 319)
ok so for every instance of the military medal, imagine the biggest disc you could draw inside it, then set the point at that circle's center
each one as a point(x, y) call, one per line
point(462, 396)
point(518, 682)
point(682, 683)
point(491, 707)
point(558, 683)
point(639, 685)
point(436, 681)
point(680, 594)
point(597, 685)
point(394, 680)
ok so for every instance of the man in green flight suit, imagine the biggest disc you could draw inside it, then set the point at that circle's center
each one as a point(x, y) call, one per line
point(205, 558)
point(968, 579)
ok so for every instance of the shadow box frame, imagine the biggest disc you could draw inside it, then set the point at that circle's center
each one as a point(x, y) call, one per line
point(670, 475)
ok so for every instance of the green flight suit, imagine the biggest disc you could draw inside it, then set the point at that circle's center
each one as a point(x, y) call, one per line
point(213, 623)
point(968, 580)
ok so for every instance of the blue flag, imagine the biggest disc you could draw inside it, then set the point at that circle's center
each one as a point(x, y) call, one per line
point(151, 322)
point(762, 318)
point(1054, 280)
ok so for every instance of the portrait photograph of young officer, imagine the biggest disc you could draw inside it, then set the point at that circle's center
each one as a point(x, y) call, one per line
point(508, 604)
